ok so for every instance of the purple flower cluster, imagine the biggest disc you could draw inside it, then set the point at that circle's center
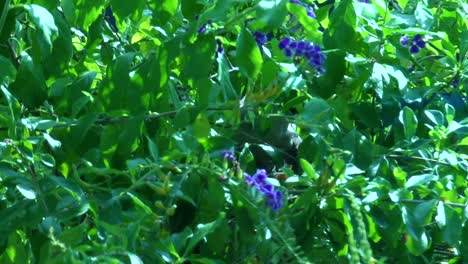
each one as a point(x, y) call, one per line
point(228, 154)
point(274, 198)
point(220, 51)
point(304, 49)
point(364, 1)
point(260, 38)
point(416, 44)
point(310, 10)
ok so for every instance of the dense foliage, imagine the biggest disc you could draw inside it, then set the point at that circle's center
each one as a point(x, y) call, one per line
point(233, 131)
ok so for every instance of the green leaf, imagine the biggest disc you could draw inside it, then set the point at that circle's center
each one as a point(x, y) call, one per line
point(8, 72)
point(450, 221)
point(27, 191)
point(128, 140)
point(362, 148)
point(308, 169)
point(248, 56)
point(450, 113)
point(62, 51)
point(46, 30)
point(379, 79)
point(420, 180)
point(29, 86)
point(14, 107)
point(201, 127)
point(15, 251)
point(153, 149)
point(47, 159)
point(416, 241)
point(400, 176)
point(201, 232)
point(403, 3)
point(120, 85)
point(341, 33)
point(316, 109)
point(217, 11)
point(124, 9)
point(74, 92)
point(190, 9)
point(49, 4)
point(436, 117)
point(201, 51)
point(140, 204)
point(398, 75)
point(170, 6)
point(409, 121)
point(366, 113)
point(270, 14)
point(78, 132)
point(228, 90)
point(82, 13)
point(424, 16)
point(134, 259)
point(73, 236)
point(186, 116)
point(310, 25)
point(36, 123)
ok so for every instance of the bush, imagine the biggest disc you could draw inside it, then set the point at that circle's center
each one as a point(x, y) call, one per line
point(222, 131)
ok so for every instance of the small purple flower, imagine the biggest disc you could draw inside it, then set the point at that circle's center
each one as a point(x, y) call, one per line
point(274, 198)
point(310, 10)
point(293, 45)
point(364, 1)
point(260, 177)
point(311, 13)
point(229, 156)
point(284, 43)
point(220, 51)
point(414, 49)
point(417, 43)
point(204, 27)
point(404, 40)
point(301, 45)
point(261, 39)
point(249, 179)
point(266, 188)
point(418, 40)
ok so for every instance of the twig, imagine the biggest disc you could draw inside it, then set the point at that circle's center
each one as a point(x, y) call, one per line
point(119, 120)
point(35, 178)
point(395, 156)
point(37, 186)
point(459, 205)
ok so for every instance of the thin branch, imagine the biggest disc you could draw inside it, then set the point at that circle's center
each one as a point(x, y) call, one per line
point(459, 205)
point(395, 156)
point(120, 120)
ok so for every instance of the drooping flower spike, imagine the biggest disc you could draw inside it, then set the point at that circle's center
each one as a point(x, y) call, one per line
point(274, 198)
point(307, 50)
